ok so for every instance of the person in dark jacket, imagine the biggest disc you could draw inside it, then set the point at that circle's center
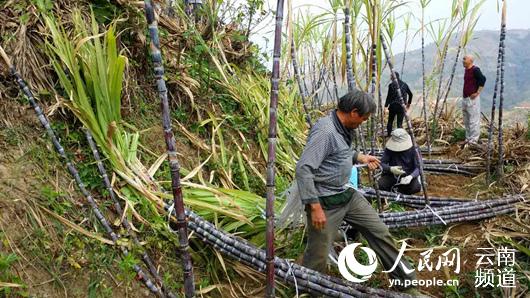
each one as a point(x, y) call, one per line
point(393, 103)
point(474, 82)
point(400, 167)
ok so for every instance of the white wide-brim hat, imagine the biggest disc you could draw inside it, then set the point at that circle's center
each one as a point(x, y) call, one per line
point(399, 140)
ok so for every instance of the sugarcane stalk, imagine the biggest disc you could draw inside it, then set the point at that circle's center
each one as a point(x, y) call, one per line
point(334, 76)
point(178, 201)
point(492, 117)
point(347, 38)
point(271, 150)
point(73, 171)
point(302, 91)
point(372, 119)
point(424, 95)
point(381, 110)
point(419, 159)
point(125, 222)
point(500, 73)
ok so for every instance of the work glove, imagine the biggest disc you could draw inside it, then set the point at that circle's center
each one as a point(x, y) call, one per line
point(397, 170)
point(406, 180)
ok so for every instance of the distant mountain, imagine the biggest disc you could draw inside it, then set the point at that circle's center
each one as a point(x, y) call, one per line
point(484, 47)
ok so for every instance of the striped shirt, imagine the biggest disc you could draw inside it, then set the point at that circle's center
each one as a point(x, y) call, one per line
point(325, 165)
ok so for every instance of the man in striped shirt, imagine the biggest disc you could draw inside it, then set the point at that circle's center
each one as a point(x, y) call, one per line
point(322, 175)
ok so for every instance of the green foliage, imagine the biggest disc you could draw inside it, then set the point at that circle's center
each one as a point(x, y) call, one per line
point(44, 6)
point(56, 201)
point(458, 134)
point(13, 284)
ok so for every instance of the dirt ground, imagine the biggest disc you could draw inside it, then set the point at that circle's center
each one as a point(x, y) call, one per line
point(44, 266)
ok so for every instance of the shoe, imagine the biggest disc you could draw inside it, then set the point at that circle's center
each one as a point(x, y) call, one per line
point(414, 292)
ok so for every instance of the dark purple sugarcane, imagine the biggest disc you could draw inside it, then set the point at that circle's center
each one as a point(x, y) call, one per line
point(419, 159)
point(381, 110)
point(75, 174)
point(424, 94)
point(302, 91)
point(500, 61)
point(372, 121)
point(457, 208)
point(451, 217)
point(347, 38)
point(271, 150)
point(334, 76)
point(479, 216)
point(125, 222)
point(178, 201)
point(500, 168)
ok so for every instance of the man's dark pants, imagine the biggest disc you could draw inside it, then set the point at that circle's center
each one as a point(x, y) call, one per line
point(362, 217)
point(394, 111)
point(387, 182)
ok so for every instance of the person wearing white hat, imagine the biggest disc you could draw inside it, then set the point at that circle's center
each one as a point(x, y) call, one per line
point(400, 168)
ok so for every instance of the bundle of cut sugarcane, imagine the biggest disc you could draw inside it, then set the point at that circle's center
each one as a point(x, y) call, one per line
point(75, 174)
point(452, 169)
point(304, 278)
point(435, 151)
point(455, 213)
point(412, 200)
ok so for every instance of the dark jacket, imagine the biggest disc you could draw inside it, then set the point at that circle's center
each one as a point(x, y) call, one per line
point(392, 98)
point(405, 159)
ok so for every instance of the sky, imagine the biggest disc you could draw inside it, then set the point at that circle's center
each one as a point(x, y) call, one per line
point(517, 18)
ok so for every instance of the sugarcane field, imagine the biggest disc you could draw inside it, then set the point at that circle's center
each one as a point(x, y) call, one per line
point(265, 148)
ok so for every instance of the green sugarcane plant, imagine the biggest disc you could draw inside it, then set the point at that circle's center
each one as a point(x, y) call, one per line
point(500, 63)
point(409, 123)
point(271, 151)
point(406, 24)
point(443, 50)
point(80, 59)
point(439, 35)
point(350, 78)
point(174, 166)
point(500, 167)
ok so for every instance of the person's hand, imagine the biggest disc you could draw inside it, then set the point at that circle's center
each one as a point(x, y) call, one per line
point(406, 180)
point(318, 218)
point(474, 95)
point(372, 161)
point(397, 170)
point(408, 107)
